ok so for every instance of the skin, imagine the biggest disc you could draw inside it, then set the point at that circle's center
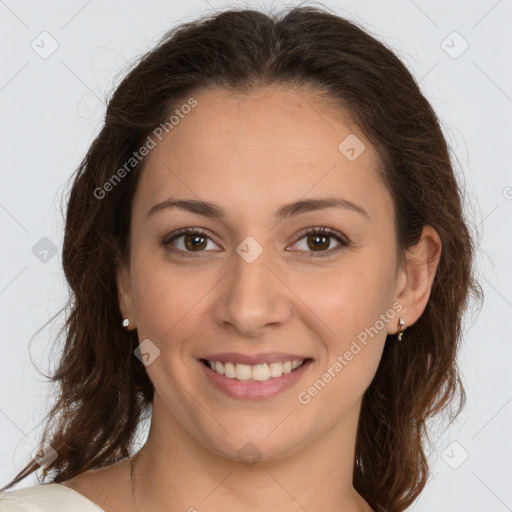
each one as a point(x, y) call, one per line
point(250, 154)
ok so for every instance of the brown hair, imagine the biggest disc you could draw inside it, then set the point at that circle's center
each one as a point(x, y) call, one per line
point(104, 389)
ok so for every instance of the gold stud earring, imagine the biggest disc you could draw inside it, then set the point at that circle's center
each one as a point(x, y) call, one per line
point(401, 328)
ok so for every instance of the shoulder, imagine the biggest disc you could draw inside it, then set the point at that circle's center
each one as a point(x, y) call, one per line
point(45, 498)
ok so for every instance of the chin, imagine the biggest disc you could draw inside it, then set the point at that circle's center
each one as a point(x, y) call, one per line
point(255, 440)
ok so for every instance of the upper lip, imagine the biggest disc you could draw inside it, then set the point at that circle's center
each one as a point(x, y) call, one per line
point(253, 359)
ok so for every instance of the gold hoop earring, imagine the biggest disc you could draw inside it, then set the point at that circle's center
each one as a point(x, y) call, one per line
point(401, 328)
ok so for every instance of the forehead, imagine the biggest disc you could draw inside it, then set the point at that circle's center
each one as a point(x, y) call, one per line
point(275, 116)
point(268, 146)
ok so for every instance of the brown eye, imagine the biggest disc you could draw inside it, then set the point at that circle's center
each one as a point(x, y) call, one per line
point(193, 242)
point(188, 240)
point(317, 242)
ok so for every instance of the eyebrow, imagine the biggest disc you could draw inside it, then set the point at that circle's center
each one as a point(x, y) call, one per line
point(287, 210)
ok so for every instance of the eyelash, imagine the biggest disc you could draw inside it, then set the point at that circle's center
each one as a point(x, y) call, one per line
point(331, 233)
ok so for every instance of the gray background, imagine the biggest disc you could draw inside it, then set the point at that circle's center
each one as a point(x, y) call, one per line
point(52, 106)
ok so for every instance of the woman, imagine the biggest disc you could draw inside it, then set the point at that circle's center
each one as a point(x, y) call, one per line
point(266, 251)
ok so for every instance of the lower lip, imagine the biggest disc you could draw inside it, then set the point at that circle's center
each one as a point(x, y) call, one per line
point(255, 390)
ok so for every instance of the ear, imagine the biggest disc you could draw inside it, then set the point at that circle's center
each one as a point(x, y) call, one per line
point(125, 295)
point(415, 278)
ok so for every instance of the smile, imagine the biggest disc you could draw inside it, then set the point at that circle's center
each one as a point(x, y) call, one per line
point(257, 372)
point(257, 381)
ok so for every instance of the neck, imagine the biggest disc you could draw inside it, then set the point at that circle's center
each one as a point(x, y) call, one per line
point(178, 473)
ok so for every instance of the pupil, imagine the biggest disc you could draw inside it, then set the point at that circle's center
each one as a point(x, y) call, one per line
point(323, 244)
point(193, 245)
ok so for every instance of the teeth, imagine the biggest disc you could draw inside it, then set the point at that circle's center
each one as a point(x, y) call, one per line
point(219, 367)
point(229, 369)
point(243, 371)
point(275, 369)
point(259, 372)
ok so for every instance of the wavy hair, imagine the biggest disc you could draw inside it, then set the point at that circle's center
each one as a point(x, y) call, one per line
point(104, 390)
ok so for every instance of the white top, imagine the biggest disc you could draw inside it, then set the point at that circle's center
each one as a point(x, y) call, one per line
point(46, 498)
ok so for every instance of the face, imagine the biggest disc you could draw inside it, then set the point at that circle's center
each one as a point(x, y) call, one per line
point(260, 282)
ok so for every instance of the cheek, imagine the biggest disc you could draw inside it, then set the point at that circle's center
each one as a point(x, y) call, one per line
point(349, 299)
point(352, 310)
point(163, 295)
point(351, 350)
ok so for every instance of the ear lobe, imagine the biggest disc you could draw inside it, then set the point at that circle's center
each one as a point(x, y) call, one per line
point(421, 265)
point(124, 294)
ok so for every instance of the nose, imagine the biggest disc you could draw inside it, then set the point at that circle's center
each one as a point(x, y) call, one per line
point(254, 297)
